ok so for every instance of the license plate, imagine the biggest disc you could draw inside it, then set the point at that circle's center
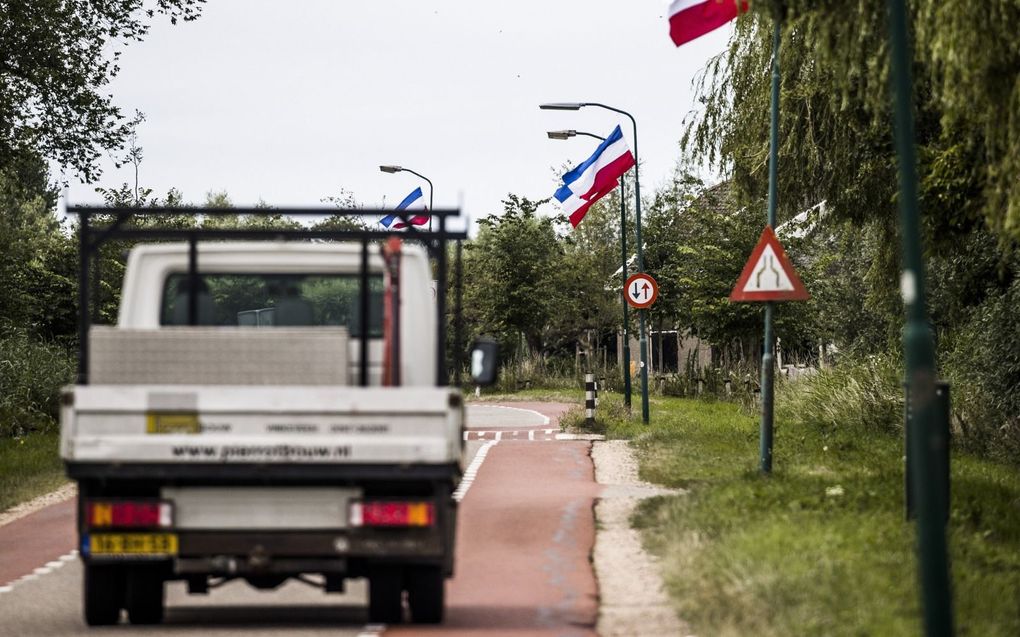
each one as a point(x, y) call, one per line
point(173, 423)
point(133, 544)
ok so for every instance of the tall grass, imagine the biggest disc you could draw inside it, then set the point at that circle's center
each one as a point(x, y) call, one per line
point(533, 371)
point(820, 547)
point(31, 375)
point(856, 396)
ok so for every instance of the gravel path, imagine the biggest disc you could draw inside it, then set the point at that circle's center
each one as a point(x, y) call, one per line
point(21, 510)
point(633, 600)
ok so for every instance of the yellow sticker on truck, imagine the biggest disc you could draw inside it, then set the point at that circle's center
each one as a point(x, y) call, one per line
point(172, 423)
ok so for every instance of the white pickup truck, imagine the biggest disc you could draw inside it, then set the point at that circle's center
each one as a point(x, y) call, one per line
point(241, 420)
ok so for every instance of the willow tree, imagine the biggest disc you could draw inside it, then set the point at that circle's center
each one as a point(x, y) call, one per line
point(836, 145)
point(835, 138)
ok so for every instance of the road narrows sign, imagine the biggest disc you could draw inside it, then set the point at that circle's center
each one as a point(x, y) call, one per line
point(640, 290)
point(769, 275)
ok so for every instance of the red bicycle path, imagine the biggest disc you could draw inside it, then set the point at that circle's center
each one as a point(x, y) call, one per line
point(525, 536)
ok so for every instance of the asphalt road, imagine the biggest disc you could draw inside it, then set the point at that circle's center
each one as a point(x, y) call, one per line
point(524, 539)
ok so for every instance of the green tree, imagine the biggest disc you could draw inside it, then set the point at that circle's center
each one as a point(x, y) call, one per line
point(37, 268)
point(591, 297)
point(698, 241)
point(55, 62)
point(835, 145)
point(511, 275)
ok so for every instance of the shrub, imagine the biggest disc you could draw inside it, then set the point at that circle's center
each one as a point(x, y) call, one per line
point(983, 365)
point(31, 375)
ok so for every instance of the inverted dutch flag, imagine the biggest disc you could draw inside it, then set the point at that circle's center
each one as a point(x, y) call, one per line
point(411, 203)
point(594, 178)
point(690, 19)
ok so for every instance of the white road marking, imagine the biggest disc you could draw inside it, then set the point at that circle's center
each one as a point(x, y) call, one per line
point(48, 568)
point(531, 435)
point(372, 630)
point(472, 470)
point(499, 436)
point(545, 419)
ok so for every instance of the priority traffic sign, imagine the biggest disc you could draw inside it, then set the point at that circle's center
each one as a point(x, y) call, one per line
point(769, 275)
point(641, 290)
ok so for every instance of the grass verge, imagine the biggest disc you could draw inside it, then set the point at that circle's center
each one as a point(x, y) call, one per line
point(820, 547)
point(29, 466)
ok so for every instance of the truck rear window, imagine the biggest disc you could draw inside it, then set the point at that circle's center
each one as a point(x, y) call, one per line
point(268, 300)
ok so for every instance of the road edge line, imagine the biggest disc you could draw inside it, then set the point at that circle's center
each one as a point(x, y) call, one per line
point(472, 470)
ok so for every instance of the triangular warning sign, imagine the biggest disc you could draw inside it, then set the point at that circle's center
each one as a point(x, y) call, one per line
point(769, 275)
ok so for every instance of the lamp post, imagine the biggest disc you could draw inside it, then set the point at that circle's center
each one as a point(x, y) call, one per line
point(643, 341)
point(927, 439)
point(398, 169)
point(567, 134)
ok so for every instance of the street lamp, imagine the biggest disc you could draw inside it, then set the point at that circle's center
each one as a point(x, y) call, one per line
point(567, 134)
point(397, 169)
point(574, 106)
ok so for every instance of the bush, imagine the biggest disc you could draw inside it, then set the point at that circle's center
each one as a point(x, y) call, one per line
point(983, 365)
point(31, 375)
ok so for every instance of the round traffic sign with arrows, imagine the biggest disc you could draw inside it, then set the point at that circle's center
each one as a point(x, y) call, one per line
point(641, 290)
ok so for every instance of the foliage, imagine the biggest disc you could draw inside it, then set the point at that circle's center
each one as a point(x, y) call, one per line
point(344, 201)
point(513, 267)
point(984, 367)
point(37, 271)
point(835, 134)
point(590, 301)
point(835, 121)
point(31, 375)
point(55, 63)
point(698, 241)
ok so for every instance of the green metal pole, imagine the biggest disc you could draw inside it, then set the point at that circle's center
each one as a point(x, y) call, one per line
point(643, 340)
point(768, 371)
point(626, 312)
point(919, 350)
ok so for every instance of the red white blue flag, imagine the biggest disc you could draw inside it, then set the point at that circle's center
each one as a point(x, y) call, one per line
point(594, 178)
point(690, 19)
point(411, 203)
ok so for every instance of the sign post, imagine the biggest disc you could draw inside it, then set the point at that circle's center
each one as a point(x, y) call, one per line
point(640, 291)
point(767, 277)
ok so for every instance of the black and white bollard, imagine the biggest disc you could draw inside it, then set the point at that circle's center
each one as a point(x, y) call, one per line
point(590, 397)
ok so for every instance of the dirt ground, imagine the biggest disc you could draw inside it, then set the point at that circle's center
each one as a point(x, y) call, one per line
point(633, 601)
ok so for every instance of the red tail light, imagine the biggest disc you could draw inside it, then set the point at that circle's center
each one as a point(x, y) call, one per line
point(127, 514)
point(393, 514)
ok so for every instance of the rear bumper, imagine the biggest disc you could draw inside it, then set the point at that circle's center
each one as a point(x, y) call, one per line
point(346, 551)
point(343, 551)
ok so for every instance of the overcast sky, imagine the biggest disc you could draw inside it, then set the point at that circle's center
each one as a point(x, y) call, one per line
point(289, 102)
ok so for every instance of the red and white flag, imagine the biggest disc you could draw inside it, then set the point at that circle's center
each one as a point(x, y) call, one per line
point(690, 19)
